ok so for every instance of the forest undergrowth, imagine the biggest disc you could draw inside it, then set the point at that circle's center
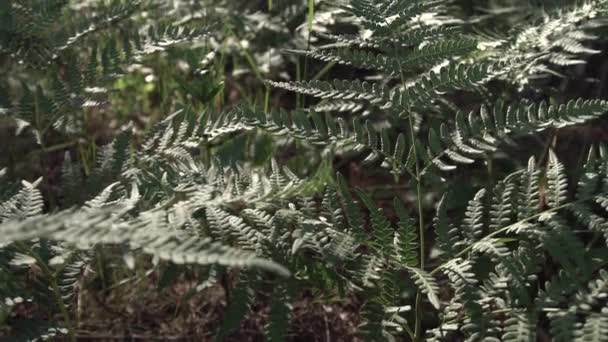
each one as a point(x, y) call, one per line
point(303, 170)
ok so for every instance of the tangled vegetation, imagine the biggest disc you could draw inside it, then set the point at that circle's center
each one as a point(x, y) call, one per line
point(395, 170)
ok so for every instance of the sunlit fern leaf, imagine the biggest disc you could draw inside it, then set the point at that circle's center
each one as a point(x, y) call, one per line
point(69, 276)
point(502, 202)
point(369, 271)
point(418, 35)
point(385, 17)
point(371, 17)
point(105, 17)
point(260, 219)
point(594, 329)
point(339, 106)
point(519, 327)
point(405, 238)
point(559, 37)
point(26, 203)
point(477, 135)
point(148, 232)
point(104, 198)
point(338, 247)
point(474, 218)
point(591, 298)
point(340, 90)
point(528, 201)
point(510, 279)
point(466, 295)
point(426, 284)
point(226, 225)
point(425, 55)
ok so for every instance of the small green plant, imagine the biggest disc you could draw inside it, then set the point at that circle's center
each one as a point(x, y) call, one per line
point(198, 194)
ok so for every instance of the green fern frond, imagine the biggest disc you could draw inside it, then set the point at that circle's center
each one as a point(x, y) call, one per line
point(340, 90)
point(427, 285)
point(476, 135)
point(446, 235)
point(148, 233)
point(595, 328)
point(26, 203)
point(474, 218)
point(382, 230)
point(563, 325)
point(519, 328)
point(351, 210)
point(405, 239)
point(427, 54)
point(239, 304)
point(278, 320)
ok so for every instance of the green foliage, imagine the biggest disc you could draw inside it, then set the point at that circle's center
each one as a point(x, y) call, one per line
point(244, 199)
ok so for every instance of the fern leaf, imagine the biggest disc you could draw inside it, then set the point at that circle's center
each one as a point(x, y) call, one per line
point(383, 232)
point(239, 305)
point(339, 90)
point(557, 184)
point(595, 329)
point(353, 214)
point(474, 217)
point(405, 239)
point(446, 239)
point(278, 320)
point(519, 328)
point(427, 285)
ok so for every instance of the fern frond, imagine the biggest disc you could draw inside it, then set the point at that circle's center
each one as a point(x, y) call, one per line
point(427, 285)
point(278, 320)
point(239, 305)
point(446, 235)
point(477, 134)
point(26, 203)
point(339, 90)
point(595, 328)
point(427, 54)
point(474, 218)
point(147, 233)
point(519, 328)
point(351, 210)
point(382, 230)
point(405, 239)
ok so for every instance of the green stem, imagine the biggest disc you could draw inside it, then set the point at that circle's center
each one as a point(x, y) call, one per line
point(409, 331)
point(418, 307)
point(101, 267)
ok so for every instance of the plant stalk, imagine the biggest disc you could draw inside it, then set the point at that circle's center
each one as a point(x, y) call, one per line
point(418, 307)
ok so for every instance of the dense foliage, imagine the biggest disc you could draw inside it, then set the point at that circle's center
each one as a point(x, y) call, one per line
point(421, 170)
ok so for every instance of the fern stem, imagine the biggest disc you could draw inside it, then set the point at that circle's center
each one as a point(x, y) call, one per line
point(418, 308)
point(409, 331)
point(101, 267)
